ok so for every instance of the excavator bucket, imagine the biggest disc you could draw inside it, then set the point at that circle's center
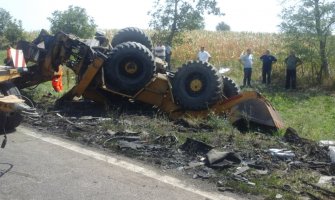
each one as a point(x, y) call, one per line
point(256, 111)
point(244, 110)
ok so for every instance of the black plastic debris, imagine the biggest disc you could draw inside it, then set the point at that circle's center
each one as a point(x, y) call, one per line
point(192, 146)
point(217, 159)
point(291, 136)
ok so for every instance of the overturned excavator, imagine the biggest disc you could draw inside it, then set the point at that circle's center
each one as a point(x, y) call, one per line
point(126, 70)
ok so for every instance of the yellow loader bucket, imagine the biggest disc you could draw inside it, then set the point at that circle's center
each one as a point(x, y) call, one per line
point(249, 106)
point(257, 110)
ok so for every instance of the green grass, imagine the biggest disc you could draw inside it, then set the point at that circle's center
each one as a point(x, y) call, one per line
point(2, 56)
point(44, 92)
point(278, 182)
point(311, 112)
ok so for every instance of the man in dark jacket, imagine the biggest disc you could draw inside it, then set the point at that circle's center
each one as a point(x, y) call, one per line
point(267, 60)
point(291, 62)
point(168, 53)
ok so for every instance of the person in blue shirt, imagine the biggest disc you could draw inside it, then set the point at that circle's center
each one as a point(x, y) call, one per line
point(267, 60)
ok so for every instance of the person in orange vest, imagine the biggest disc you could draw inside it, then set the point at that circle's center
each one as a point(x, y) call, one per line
point(56, 81)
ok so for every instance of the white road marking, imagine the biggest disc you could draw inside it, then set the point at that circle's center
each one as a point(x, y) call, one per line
point(123, 164)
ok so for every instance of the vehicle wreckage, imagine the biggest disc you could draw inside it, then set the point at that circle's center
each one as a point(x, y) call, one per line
point(126, 70)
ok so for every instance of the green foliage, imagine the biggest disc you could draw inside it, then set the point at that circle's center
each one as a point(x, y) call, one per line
point(162, 36)
point(14, 32)
point(307, 26)
point(11, 29)
point(30, 36)
point(176, 16)
point(5, 19)
point(44, 92)
point(74, 20)
point(2, 55)
point(222, 27)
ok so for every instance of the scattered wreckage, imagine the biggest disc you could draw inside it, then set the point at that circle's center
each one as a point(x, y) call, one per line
point(127, 70)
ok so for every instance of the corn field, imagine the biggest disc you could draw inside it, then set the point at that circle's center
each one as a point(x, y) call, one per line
point(226, 48)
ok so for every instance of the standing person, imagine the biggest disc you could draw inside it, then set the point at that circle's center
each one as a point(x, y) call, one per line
point(159, 51)
point(247, 60)
point(168, 53)
point(291, 62)
point(267, 60)
point(203, 55)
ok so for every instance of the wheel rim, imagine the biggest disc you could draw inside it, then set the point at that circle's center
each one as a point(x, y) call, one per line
point(131, 67)
point(196, 85)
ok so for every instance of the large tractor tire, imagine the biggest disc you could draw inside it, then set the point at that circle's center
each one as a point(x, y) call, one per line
point(129, 68)
point(230, 88)
point(132, 34)
point(197, 85)
point(9, 121)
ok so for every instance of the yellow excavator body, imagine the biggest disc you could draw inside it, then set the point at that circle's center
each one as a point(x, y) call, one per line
point(130, 70)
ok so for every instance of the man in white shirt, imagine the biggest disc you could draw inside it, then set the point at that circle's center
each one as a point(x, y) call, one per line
point(203, 55)
point(247, 61)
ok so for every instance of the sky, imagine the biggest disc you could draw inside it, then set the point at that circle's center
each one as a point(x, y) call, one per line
point(240, 15)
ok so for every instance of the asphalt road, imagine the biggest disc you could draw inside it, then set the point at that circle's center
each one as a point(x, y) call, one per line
point(39, 166)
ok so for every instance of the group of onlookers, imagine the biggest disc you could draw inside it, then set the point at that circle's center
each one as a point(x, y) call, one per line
point(246, 59)
point(291, 62)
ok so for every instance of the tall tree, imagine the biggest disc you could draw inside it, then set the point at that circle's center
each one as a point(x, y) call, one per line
point(73, 20)
point(5, 19)
point(222, 27)
point(174, 16)
point(313, 20)
point(14, 32)
point(10, 29)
